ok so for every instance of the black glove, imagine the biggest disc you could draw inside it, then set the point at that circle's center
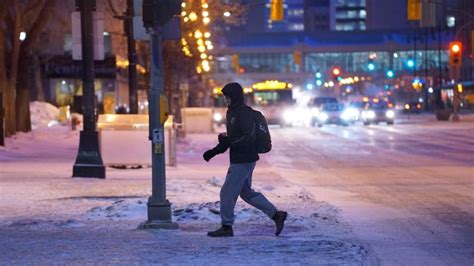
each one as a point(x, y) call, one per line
point(223, 139)
point(208, 155)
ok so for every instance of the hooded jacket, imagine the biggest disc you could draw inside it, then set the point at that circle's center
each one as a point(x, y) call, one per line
point(240, 127)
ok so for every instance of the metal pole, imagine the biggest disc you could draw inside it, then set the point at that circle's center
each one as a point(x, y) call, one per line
point(88, 161)
point(159, 208)
point(425, 88)
point(2, 121)
point(132, 59)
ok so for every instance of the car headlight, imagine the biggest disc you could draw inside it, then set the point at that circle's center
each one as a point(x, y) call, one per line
point(352, 112)
point(368, 114)
point(390, 114)
point(323, 117)
point(217, 117)
point(349, 114)
point(288, 116)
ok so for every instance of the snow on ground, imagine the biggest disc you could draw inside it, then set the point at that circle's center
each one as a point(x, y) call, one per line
point(50, 218)
point(43, 114)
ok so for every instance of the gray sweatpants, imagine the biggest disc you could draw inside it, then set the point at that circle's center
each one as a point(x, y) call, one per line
point(239, 182)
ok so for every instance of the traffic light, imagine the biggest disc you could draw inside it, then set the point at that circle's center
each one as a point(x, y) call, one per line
point(276, 10)
point(371, 66)
point(390, 73)
point(318, 75)
point(455, 54)
point(159, 12)
point(336, 73)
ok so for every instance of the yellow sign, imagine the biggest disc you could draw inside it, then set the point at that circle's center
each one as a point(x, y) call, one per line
point(414, 9)
point(164, 110)
point(272, 85)
point(218, 90)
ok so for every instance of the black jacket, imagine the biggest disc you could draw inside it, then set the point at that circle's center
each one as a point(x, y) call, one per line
point(240, 128)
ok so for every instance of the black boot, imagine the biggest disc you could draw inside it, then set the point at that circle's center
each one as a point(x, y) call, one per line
point(225, 230)
point(279, 218)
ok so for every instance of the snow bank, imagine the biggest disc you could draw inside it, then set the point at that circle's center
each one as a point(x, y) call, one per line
point(43, 114)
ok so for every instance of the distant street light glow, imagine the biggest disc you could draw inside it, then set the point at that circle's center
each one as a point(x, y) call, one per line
point(371, 66)
point(22, 36)
point(227, 14)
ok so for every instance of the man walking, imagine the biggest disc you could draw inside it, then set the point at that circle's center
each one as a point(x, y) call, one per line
point(240, 138)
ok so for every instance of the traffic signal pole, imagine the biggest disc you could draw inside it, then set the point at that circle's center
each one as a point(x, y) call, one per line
point(159, 208)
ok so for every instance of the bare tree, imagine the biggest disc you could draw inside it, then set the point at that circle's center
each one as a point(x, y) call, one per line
point(18, 20)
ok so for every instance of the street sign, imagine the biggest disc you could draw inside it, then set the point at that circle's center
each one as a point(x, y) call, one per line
point(98, 32)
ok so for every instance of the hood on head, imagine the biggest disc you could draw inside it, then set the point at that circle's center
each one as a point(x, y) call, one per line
point(235, 92)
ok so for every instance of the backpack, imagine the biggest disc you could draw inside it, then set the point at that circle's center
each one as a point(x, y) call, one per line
point(263, 141)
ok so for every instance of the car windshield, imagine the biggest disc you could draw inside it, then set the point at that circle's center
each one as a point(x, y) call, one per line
point(333, 107)
point(318, 101)
point(357, 105)
point(378, 106)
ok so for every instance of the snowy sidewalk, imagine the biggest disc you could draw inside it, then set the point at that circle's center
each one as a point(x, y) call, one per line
point(50, 218)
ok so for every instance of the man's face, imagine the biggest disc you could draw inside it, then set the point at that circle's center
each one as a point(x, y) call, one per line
point(228, 100)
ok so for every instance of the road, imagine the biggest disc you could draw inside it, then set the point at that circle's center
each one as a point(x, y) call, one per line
point(390, 195)
point(407, 189)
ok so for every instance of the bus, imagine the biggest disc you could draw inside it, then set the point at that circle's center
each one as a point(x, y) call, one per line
point(270, 97)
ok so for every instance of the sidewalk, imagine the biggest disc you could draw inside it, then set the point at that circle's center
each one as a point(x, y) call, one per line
point(50, 218)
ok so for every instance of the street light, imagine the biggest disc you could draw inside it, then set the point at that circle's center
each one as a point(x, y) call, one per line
point(227, 14)
point(22, 36)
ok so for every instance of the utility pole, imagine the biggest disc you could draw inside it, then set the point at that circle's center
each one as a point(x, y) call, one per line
point(155, 14)
point(132, 58)
point(88, 161)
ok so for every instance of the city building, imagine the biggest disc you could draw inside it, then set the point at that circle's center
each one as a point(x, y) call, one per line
point(62, 76)
point(294, 18)
point(350, 15)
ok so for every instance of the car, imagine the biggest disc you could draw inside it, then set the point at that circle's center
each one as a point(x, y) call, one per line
point(333, 113)
point(412, 107)
point(355, 109)
point(315, 105)
point(376, 112)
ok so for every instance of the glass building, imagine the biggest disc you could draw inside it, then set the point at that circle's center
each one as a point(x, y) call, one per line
point(293, 17)
point(351, 15)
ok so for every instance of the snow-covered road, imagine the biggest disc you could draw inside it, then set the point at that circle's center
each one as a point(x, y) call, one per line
point(398, 194)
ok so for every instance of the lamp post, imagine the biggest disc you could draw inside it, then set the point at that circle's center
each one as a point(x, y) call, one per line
point(88, 161)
